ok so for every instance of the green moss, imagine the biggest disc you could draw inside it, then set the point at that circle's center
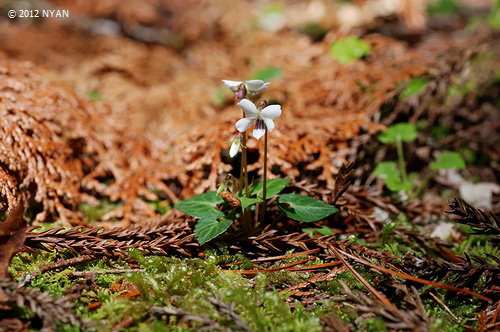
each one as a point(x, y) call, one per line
point(95, 213)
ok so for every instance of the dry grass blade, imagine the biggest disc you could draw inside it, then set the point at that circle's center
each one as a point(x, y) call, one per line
point(342, 181)
point(415, 320)
point(422, 281)
point(365, 283)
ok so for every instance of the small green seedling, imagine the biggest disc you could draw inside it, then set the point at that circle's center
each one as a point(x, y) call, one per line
point(349, 49)
point(323, 230)
point(414, 87)
point(394, 174)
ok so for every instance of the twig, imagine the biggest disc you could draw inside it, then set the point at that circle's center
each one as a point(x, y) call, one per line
point(445, 307)
point(422, 281)
point(365, 283)
point(229, 310)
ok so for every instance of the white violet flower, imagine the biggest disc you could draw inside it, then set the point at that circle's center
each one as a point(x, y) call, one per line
point(263, 117)
point(235, 146)
point(253, 87)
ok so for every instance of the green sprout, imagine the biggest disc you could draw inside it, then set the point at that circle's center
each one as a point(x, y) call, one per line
point(394, 174)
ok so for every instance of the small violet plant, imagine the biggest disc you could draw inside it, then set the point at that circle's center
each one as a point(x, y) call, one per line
point(395, 175)
point(238, 199)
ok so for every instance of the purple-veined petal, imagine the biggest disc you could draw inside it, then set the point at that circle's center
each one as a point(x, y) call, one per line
point(233, 85)
point(271, 112)
point(243, 124)
point(259, 130)
point(249, 108)
point(269, 124)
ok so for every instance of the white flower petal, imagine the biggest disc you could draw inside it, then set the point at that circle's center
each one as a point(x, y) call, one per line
point(248, 107)
point(269, 124)
point(255, 87)
point(235, 147)
point(243, 124)
point(233, 85)
point(254, 84)
point(259, 130)
point(271, 112)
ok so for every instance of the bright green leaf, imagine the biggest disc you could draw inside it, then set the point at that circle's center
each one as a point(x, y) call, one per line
point(413, 177)
point(202, 206)
point(267, 74)
point(386, 169)
point(396, 184)
point(448, 160)
point(304, 208)
point(442, 7)
point(323, 230)
point(209, 228)
point(94, 95)
point(246, 202)
point(349, 49)
point(414, 87)
point(405, 132)
point(273, 187)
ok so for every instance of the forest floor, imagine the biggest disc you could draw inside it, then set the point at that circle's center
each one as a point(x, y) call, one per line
point(112, 116)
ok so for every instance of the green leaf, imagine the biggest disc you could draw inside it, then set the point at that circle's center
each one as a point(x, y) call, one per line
point(414, 87)
point(441, 7)
point(94, 95)
point(349, 49)
point(323, 230)
point(448, 160)
point(304, 208)
point(246, 202)
point(396, 184)
point(208, 229)
point(273, 187)
point(221, 95)
point(386, 169)
point(267, 74)
point(202, 206)
point(405, 132)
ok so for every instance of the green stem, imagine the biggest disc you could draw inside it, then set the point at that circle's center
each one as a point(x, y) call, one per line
point(422, 185)
point(401, 160)
point(264, 180)
point(245, 217)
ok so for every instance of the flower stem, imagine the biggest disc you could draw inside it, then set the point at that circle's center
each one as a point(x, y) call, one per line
point(424, 182)
point(264, 180)
point(245, 215)
point(401, 160)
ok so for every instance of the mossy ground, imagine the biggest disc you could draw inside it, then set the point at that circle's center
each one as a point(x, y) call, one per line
point(186, 283)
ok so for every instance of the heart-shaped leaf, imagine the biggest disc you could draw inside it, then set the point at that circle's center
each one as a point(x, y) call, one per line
point(208, 229)
point(405, 132)
point(396, 184)
point(273, 187)
point(386, 169)
point(448, 160)
point(202, 206)
point(304, 208)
